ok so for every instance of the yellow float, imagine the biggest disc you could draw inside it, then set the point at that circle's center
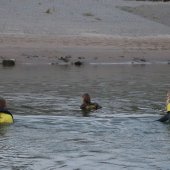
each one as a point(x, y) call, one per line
point(6, 118)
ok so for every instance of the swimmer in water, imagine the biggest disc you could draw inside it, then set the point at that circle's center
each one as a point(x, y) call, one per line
point(167, 116)
point(87, 105)
point(5, 115)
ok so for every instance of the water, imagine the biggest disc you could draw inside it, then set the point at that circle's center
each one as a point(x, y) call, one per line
point(50, 132)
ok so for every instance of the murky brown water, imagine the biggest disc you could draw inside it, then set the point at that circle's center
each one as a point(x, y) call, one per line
point(50, 132)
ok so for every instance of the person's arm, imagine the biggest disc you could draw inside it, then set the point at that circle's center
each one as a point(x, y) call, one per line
point(98, 106)
point(82, 107)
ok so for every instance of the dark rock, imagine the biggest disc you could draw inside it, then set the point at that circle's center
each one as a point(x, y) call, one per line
point(78, 63)
point(68, 56)
point(48, 11)
point(143, 59)
point(65, 59)
point(81, 58)
point(136, 59)
point(53, 63)
point(8, 63)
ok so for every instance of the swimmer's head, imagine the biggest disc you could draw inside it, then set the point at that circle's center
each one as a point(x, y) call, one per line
point(2, 103)
point(86, 98)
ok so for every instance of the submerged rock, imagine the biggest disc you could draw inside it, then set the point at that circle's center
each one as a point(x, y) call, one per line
point(8, 63)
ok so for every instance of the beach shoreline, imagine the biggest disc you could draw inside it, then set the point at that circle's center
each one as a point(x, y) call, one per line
point(86, 48)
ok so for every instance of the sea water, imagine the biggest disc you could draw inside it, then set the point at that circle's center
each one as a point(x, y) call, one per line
point(50, 131)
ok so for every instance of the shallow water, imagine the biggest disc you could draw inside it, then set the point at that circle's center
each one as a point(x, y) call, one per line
point(50, 132)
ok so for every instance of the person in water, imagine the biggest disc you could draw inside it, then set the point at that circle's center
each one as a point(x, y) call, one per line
point(87, 105)
point(167, 116)
point(3, 107)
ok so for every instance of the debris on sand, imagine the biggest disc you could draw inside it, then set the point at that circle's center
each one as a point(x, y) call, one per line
point(8, 63)
point(65, 59)
point(78, 63)
point(137, 60)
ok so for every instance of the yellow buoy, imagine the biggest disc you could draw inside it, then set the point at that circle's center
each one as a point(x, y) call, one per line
point(168, 107)
point(6, 118)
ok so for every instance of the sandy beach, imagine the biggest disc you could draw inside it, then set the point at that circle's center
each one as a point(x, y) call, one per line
point(90, 31)
point(31, 49)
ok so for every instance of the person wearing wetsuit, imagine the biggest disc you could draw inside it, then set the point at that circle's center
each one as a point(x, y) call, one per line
point(166, 117)
point(3, 108)
point(87, 105)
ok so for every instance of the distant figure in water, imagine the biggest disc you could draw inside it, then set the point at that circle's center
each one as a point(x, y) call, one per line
point(167, 116)
point(87, 105)
point(3, 108)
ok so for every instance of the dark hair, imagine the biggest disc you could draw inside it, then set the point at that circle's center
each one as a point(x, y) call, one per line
point(86, 98)
point(2, 102)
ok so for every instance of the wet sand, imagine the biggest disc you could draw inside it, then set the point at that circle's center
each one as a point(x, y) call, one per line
point(88, 49)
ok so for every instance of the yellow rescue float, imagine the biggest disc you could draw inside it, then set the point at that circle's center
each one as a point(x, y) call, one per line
point(6, 118)
point(168, 107)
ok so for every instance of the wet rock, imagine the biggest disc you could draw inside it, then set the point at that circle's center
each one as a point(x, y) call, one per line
point(60, 64)
point(98, 19)
point(139, 60)
point(48, 11)
point(68, 56)
point(54, 63)
point(65, 59)
point(8, 63)
point(143, 60)
point(78, 63)
point(81, 58)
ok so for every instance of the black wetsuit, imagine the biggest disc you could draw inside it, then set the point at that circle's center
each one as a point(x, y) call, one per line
point(165, 117)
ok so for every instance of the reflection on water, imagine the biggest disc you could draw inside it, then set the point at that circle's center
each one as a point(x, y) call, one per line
point(50, 132)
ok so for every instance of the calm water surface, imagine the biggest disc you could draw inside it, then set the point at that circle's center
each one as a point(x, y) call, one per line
point(50, 132)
